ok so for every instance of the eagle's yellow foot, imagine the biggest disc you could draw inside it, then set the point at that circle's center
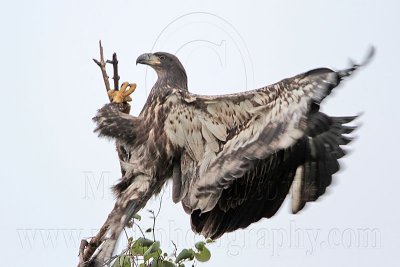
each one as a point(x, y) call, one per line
point(123, 94)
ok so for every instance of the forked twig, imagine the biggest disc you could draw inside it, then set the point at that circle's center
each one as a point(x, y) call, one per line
point(102, 65)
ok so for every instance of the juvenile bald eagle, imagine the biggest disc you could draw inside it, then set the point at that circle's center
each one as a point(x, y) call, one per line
point(232, 158)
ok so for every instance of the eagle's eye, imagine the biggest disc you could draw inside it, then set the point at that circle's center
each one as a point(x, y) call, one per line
point(162, 57)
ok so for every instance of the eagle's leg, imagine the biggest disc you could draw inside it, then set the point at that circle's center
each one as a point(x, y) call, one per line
point(116, 221)
point(129, 201)
point(122, 95)
point(98, 251)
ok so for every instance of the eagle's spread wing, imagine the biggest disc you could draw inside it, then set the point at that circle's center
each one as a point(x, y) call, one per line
point(224, 135)
point(241, 152)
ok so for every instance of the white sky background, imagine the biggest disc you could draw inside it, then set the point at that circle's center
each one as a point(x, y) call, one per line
point(50, 158)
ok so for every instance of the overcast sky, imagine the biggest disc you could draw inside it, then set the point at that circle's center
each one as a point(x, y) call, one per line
point(55, 173)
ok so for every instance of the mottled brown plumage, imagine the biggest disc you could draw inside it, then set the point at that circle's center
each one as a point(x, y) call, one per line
point(232, 158)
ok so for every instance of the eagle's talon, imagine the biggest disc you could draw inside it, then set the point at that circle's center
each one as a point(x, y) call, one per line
point(122, 95)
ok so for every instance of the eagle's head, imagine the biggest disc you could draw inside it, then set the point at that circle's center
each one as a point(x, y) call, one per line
point(170, 70)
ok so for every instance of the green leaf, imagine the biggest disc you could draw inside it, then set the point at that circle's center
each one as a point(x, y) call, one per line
point(209, 240)
point(203, 255)
point(155, 246)
point(122, 261)
point(155, 255)
point(138, 250)
point(167, 264)
point(144, 241)
point(137, 217)
point(155, 263)
point(184, 255)
point(162, 263)
point(141, 245)
point(200, 245)
point(154, 251)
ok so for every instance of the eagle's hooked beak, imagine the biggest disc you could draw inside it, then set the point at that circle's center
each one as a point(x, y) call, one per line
point(148, 59)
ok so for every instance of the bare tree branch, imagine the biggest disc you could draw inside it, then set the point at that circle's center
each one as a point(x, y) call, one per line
point(175, 248)
point(140, 229)
point(94, 242)
point(125, 107)
point(102, 65)
point(82, 247)
point(116, 77)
